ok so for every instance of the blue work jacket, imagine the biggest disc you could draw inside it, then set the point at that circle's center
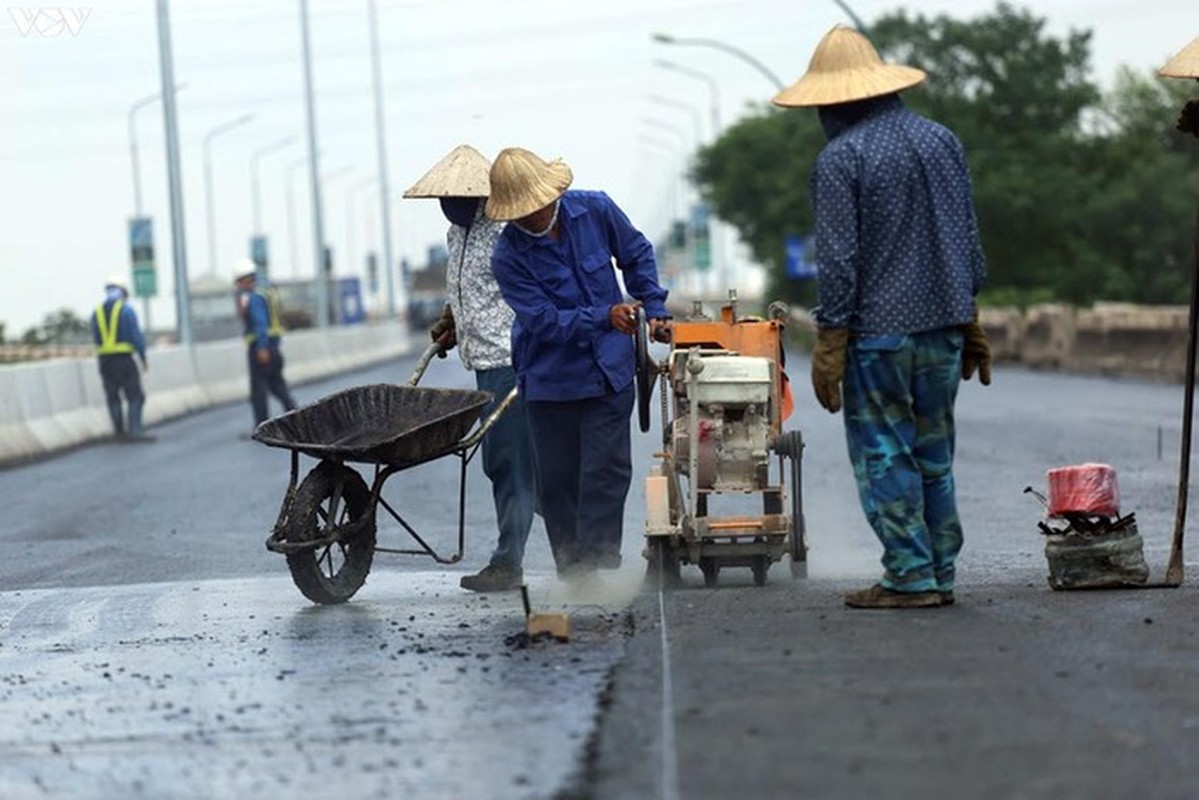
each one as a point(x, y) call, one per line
point(128, 332)
point(563, 344)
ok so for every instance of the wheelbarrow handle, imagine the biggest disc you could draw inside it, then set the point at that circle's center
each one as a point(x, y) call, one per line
point(489, 420)
point(421, 365)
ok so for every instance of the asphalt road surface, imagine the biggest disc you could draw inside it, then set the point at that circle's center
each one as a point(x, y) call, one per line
point(150, 646)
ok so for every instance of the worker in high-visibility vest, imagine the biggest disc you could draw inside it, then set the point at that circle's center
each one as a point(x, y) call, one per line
point(118, 336)
point(263, 326)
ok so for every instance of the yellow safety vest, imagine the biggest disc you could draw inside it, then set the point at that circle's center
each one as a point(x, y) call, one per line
point(274, 318)
point(108, 331)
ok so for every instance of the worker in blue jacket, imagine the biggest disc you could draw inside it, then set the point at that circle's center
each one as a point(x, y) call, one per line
point(263, 326)
point(118, 336)
point(572, 346)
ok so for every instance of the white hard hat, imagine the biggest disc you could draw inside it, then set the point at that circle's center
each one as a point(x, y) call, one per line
point(117, 280)
point(244, 268)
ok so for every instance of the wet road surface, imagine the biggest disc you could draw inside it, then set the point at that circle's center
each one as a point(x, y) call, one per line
point(150, 646)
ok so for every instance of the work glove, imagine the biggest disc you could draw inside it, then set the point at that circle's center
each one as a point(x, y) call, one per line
point(444, 332)
point(976, 353)
point(828, 366)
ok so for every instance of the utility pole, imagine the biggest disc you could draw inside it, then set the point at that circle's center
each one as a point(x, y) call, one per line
point(384, 192)
point(314, 175)
point(174, 175)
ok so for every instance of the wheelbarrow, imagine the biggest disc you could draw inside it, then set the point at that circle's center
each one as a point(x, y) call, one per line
point(327, 522)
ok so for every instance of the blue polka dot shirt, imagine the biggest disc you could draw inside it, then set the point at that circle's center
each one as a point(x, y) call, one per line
point(897, 244)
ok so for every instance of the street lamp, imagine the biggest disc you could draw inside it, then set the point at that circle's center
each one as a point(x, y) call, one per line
point(665, 38)
point(133, 152)
point(255, 187)
point(326, 179)
point(223, 128)
point(137, 172)
point(291, 213)
point(688, 107)
point(706, 78)
point(314, 172)
point(351, 194)
point(861, 26)
point(381, 149)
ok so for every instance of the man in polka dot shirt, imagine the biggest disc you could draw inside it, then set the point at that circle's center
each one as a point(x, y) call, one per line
point(900, 262)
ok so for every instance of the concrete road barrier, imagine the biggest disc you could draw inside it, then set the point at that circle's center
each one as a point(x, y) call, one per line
point(51, 405)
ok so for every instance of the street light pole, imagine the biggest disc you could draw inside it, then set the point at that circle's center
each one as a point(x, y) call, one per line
point(174, 174)
point(696, 115)
point(314, 174)
point(666, 38)
point(255, 186)
point(857, 21)
point(713, 92)
point(291, 217)
point(721, 271)
point(224, 127)
point(351, 194)
point(384, 191)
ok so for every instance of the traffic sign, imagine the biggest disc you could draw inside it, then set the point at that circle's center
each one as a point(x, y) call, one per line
point(141, 255)
point(800, 263)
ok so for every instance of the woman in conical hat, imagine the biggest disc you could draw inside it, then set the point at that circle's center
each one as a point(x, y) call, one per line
point(900, 261)
point(479, 322)
point(572, 345)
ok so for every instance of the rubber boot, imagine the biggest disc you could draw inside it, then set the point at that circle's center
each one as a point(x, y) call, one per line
point(136, 432)
point(118, 420)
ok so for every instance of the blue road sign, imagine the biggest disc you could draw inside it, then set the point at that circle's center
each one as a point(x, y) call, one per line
point(799, 252)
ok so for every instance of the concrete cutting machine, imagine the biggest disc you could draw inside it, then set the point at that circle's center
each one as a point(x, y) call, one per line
point(724, 399)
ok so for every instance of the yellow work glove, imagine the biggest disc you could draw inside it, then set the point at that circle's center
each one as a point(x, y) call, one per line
point(828, 366)
point(976, 353)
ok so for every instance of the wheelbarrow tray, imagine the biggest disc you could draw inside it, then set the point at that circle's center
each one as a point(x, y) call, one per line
point(380, 424)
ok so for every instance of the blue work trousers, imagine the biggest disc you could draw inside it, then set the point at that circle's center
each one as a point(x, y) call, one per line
point(266, 378)
point(508, 464)
point(899, 396)
point(584, 467)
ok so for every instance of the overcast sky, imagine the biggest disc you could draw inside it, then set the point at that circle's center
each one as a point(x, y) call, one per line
point(563, 78)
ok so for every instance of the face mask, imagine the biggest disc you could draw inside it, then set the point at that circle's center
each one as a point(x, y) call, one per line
point(548, 228)
point(460, 210)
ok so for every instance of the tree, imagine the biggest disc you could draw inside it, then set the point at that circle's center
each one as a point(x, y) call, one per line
point(59, 327)
point(1080, 196)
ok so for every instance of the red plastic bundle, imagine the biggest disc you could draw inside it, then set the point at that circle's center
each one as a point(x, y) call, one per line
point(1084, 489)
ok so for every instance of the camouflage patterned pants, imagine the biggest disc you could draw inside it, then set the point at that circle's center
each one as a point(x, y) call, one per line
point(899, 392)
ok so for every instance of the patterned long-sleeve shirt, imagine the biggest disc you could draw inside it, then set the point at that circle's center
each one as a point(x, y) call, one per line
point(482, 320)
point(897, 242)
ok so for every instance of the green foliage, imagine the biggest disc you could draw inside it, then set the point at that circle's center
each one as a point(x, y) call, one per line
point(1081, 195)
point(59, 327)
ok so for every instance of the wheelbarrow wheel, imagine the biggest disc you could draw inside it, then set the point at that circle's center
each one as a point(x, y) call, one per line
point(331, 496)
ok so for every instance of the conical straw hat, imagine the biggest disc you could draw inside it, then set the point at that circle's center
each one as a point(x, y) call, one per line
point(846, 67)
point(462, 173)
point(1183, 65)
point(522, 183)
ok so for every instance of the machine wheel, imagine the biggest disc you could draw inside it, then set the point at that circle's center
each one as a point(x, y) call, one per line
point(760, 567)
point(645, 371)
point(711, 571)
point(662, 567)
point(331, 495)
